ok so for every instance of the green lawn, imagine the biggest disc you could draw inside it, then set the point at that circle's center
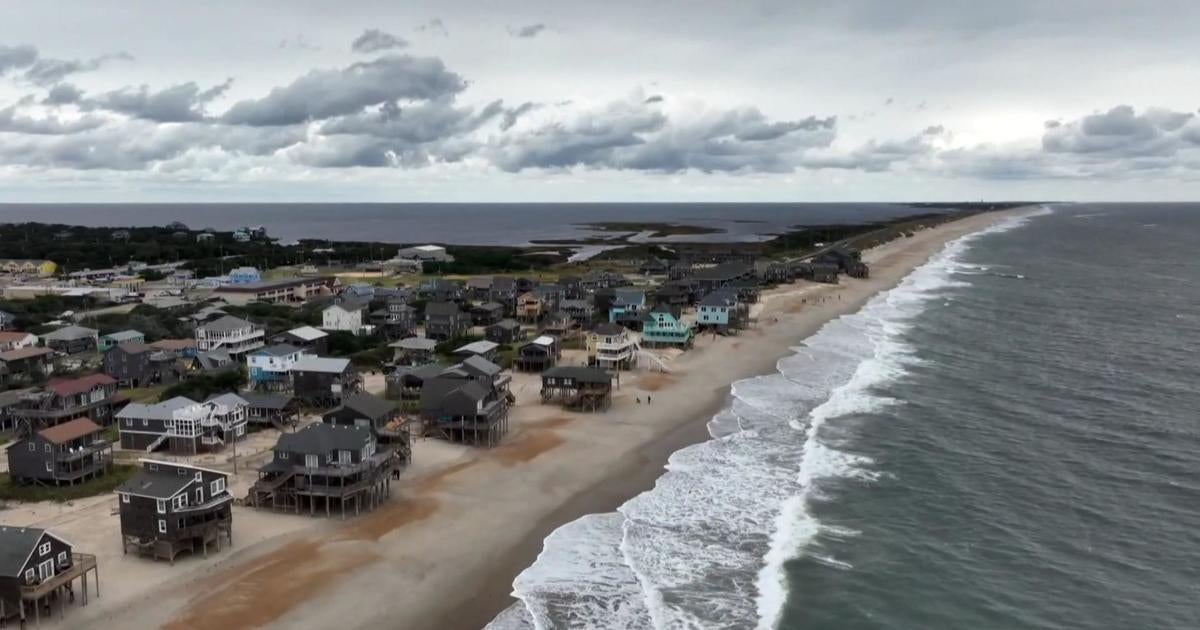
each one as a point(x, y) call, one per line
point(145, 394)
point(116, 475)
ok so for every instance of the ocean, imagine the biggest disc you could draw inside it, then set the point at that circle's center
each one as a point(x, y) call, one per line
point(1008, 439)
point(462, 223)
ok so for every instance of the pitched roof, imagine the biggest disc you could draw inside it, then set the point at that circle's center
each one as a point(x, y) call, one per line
point(579, 373)
point(156, 484)
point(508, 324)
point(331, 365)
point(125, 335)
point(13, 336)
point(351, 304)
point(478, 347)
point(307, 333)
point(68, 333)
point(266, 401)
point(435, 390)
point(609, 328)
point(278, 350)
point(320, 438)
point(228, 400)
point(369, 405)
point(441, 308)
point(719, 298)
point(16, 545)
point(70, 430)
point(228, 323)
point(481, 365)
point(72, 386)
point(415, 343)
point(133, 347)
point(24, 353)
point(544, 340)
point(157, 411)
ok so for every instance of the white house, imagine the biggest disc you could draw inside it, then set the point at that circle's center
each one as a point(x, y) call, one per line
point(17, 340)
point(348, 315)
point(271, 367)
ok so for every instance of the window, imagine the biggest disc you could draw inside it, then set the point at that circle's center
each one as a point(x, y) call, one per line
point(199, 477)
point(179, 524)
point(311, 461)
point(49, 466)
point(47, 448)
point(162, 506)
point(145, 422)
point(43, 549)
point(124, 497)
point(162, 526)
point(200, 495)
point(153, 466)
point(344, 457)
point(283, 454)
point(181, 472)
point(217, 487)
point(32, 447)
point(29, 575)
point(62, 557)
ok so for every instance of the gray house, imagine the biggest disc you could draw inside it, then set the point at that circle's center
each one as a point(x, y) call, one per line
point(445, 321)
point(324, 381)
point(325, 467)
point(36, 566)
point(168, 508)
point(382, 417)
point(505, 332)
point(68, 453)
point(72, 340)
point(467, 403)
point(136, 364)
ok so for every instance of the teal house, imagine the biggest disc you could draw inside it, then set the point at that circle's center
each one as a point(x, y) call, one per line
point(664, 326)
point(125, 336)
point(718, 311)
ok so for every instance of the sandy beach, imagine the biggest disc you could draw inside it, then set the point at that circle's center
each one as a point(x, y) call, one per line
point(461, 522)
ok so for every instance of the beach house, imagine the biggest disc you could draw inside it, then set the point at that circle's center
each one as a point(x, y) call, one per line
point(467, 403)
point(348, 315)
point(577, 387)
point(445, 321)
point(38, 568)
point(72, 452)
point(28, 364)
point(413, 351)
point(72, 340)
point(664, 326)
point(270, 367)
point(487, 313)
point(325, 467)
point(311, 340)
point(539, 354)
point(271, 409)
point(612, 346)
point(62, 399)
point(719, 311)
point(485, 349)
point(628, 308)
point(324, 381)
point(136, 364)
point(230, 334)
point(125, 336)
point(530, 306)
point(381, 417)
point(168, 508)
point(183, 425)
point(504, 332)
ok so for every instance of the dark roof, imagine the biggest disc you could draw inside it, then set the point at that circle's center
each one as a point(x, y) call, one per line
point(16, 545)
point(482, 365)
point(70, 430)
point(437, 389)
point(369, 405)
point(27, 352)
point(673, 311)
point(507, 324)
point(422, 372)
point(579, 373)
point(719, 298)
point(72, 386)
point(156, 484)
point(278, 350)
point(266, 401)
point(609, 328)
point(321, 438)
point(227, 323)
point(441, 308)
point(133, 347)
point(352, 303)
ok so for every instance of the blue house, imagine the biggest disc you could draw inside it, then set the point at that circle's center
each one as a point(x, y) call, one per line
point(664, 326)
point(628, 308)
point(244, 275)
point(718, 311)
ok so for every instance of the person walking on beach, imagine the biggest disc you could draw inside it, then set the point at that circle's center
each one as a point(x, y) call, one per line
point(647, 399)
point(638, 399)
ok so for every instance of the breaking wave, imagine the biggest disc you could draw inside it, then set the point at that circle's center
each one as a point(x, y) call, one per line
point(706, 547)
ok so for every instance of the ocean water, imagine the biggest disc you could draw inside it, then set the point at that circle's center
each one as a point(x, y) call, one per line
point(463, 223)
point(1008, 439)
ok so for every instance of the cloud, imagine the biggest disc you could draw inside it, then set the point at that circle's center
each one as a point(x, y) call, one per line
point(299, 42)
point(528, 31)
point(654, 98)
point(1122, 132)
point(63, 94)
point(435, 26)
point(374, 40)
point(323, 94)
point(179, 103)
point(874, 156)
point(13, 122)
point(511, 116)
point(630, 135)
point(16, 57)
point(48, 71)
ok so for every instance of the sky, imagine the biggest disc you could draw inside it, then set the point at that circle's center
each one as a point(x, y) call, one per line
point(706, 100)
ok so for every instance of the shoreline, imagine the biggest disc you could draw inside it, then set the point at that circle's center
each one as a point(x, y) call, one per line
point(463, 523)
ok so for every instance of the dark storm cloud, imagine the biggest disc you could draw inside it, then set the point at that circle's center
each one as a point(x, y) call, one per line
point(179, 103)
point(323, 94)
point(526, 32)
point(655, 98)
point(374, 40)
point(1122, 132)
point(511, 116)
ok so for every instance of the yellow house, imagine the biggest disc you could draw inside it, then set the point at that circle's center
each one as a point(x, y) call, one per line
point(24, 267)
point(529, 306)
point(612, 346)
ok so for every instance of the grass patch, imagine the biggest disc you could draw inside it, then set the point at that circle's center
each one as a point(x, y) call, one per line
point(146, 395)
point(117, 474)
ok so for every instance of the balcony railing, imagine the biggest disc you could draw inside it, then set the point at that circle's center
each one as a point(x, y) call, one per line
point(80, 563)
point(90, 449)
